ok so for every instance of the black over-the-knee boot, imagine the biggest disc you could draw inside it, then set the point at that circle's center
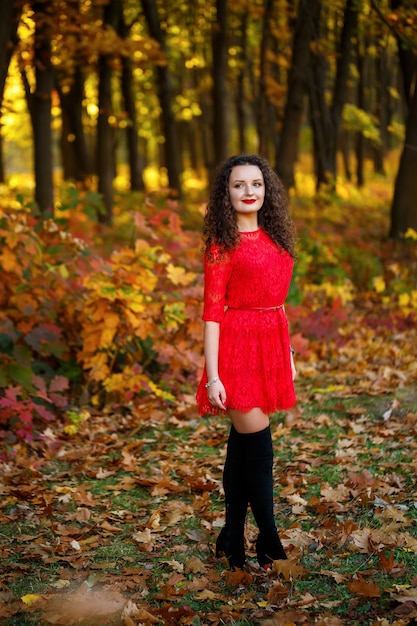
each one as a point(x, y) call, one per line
point(259, 458)
point(230, 541)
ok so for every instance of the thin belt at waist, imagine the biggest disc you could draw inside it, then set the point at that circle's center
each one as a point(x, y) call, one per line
point(256, 308)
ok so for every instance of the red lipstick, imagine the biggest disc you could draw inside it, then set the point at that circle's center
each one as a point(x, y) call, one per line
point(251, 201)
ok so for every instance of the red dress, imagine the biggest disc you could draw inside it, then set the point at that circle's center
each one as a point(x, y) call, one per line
point(254, 345)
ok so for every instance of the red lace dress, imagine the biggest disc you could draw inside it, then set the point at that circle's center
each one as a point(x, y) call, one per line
point(254, 347)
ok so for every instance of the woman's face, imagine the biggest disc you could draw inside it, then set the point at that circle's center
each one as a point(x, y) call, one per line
point(246, 189)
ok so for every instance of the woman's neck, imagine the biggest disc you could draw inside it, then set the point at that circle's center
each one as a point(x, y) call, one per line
point(247, 225)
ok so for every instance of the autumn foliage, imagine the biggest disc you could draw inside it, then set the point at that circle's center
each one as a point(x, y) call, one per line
point(78, 327)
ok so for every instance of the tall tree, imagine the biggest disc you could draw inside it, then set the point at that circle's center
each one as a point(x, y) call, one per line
point(404, 207)
point(221, 128)
point(240, 82)
point(41, 107)
point(126, 80)
point(263, 102)
point(10, 11)
point(166, 99)
point(76, 157)
point(105, 131)
point(326, 120)
point(287, 149)
point(362, 69)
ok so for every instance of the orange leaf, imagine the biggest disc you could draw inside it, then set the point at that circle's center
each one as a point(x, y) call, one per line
point(361, 588)
point(8, 260)
point(239, 577)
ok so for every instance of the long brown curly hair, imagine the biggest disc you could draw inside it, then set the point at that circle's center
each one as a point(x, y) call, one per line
point(220, 223)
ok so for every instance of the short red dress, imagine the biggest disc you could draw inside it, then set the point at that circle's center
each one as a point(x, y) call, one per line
point(245, 290)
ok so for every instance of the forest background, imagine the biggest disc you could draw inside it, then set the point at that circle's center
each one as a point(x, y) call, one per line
point(114, 115)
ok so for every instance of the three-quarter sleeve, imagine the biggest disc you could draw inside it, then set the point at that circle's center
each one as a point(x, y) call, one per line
point(217, 271)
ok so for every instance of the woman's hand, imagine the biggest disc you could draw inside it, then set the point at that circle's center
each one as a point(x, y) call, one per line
point(293, 368)
point(217, 395)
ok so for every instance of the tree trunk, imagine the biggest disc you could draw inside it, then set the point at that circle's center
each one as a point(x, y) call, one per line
point(349, 31)
point(359, 138)
point(105, 132)
point(319, 110)
point(262, 117)
point(220, 93)
point(326, 121)
point(135, 160)
point(406, 55)
point(297, 86)
point(404, 206)
point(381, 109)
point(9, 20)
point(166, 98)
point(42, 116)
point(75, 154)
point(240, 85)
point(132, 139)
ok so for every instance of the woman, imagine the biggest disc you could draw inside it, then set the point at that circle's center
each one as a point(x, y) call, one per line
point(249, 367)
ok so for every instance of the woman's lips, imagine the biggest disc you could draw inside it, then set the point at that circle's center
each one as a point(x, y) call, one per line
point(249, 201)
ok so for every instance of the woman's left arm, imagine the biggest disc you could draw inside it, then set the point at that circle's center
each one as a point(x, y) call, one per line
point(293, 368)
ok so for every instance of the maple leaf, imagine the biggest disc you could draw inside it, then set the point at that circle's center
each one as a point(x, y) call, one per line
point(179, 276)
point(277, 593)
point(194, 566)
point(238, 577)
point(363, 588)
point(288, 569)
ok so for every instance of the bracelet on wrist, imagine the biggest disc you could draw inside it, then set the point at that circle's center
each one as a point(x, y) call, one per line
point(211, 382)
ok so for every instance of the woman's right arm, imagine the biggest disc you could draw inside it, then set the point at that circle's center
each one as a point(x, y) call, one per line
point(216, 391)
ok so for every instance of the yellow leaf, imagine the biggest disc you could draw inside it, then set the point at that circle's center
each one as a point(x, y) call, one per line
point(63, 270)
point(404, 299)
point(178, 275)
point(136, 305)
point(329, 389)
point(107, 337)
point(379, 284)
point(160, 393)
point(411, 234)
point(97, 365)
point(70, 429)
point(30, 598)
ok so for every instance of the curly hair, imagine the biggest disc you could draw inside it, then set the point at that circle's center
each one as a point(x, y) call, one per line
point(220, 222)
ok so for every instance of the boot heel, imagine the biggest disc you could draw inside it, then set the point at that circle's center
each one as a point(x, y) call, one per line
point(232, 546)
point(269, 548)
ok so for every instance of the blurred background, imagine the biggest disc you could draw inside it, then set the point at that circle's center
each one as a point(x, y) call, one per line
point(114, 116)
point(154, 94)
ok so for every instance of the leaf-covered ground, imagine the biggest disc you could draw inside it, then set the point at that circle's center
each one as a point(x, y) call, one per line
point(117, 524)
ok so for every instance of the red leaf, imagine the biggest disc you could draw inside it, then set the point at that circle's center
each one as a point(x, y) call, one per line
point(59, 383)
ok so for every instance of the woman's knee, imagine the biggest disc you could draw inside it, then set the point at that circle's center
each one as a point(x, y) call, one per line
point(250, 422)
